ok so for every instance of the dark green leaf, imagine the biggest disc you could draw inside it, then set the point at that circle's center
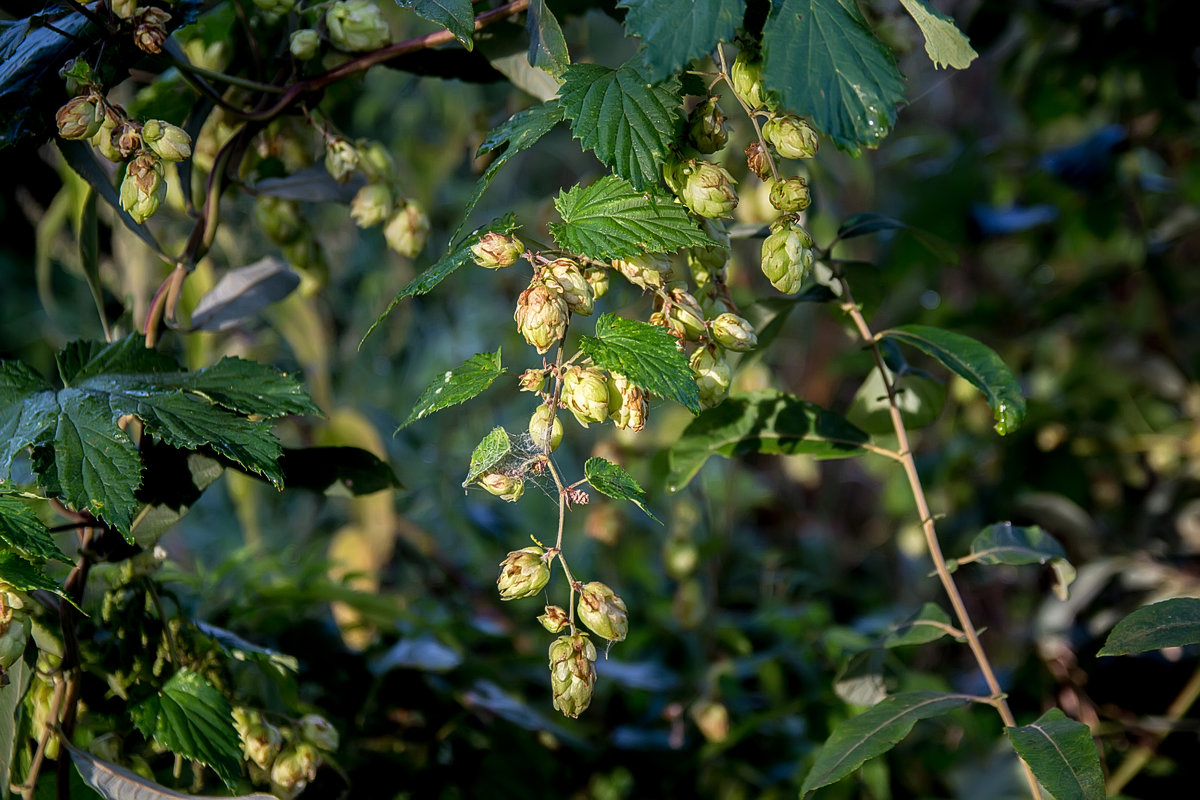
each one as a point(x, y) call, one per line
point(192, 718)
point(673, 32)
point(457, 385)
point(342, 469)
point(875, 732)
point(241, 650)
point(927, 625)
point(243, 292)
point(243, 387)
point(547, 47)
point(612, 480)
point(96, 465)
point(610, 219)
point(946, 45)
point(494, 448)
point(761, 422)
point(457, 257)
point(617, 113)
point(12, 690)
point(520, 132)
point(1003, 543)
point(114, 782)
point(27, 408)
point(974, 361)
point(1170, 623)
point(1062, 755)
point(645, 354)
point(453, 15)
point(81, 158)
point(822, 59)
point(25, 576)
point(867, 223)
point(21, 531)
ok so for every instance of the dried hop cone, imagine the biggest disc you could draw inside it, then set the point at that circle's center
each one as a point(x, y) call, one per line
point(128, 138)
point(646, 271)
point(564, 274)
point(341, 158)
point(533, 380)
point(408, 229)
point(506, 487)
point(627, 405)
point(757, 160)
point(81, 117)
point(319, 732)
point(103, 140)
point(787, 255)
point(150, 29)
point(790, 195)
point(169, 142)
point(585, 394)
point(603, 611)
point(523, 573)
point(555, 619)
point(712, 375)
point(540, 428)
point(572, 673)
point(541, 316)
point(791, 136)
point(357, 26)
point(143, 188)
point(706, 127)
point(496, 251)
point(304, 44)
point(734, 333)
point(372, 205)
point(705, 188)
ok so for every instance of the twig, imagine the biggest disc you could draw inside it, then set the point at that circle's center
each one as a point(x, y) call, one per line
point(1140, 756)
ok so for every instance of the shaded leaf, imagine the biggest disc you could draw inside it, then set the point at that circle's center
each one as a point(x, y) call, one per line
point(821, 59)
point(945, 44)
point(457, 385)
point(860, 681)
point(12, 690)
point(645, 354)
point(27, 408)
point(114, 782)
point(191, 718)
point(868, 222)
point(424, 653)
point(488, 453)
point(761, 422)
point(974, 361)
point(875, 732)
point(313, 184)
point(455, 16)
point(927, 625)
point(673, 32)
point(610, 219)
point(1004, 543)
point(459, 255)
point(346, 470)
point(1062, 755)
point(240, 649)
point(1170, 623)
point(617, 113)
point(243, 292)
point(81, 158)
point(21, 531)
point(920, 399)
point(613, 481)
point(25, 576)
point(547, 47)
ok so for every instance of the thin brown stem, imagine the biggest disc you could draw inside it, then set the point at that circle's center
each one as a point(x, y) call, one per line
point(1140, 756)
point(749, 113)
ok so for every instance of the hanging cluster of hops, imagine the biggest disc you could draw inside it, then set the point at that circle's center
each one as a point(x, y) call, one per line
point(378, 202)
point(286, 758)
point(148, 24)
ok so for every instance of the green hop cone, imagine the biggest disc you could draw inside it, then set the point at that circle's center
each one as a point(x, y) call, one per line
point(791, 136)
point(124, 9)
point(705, 188)
point(627, 404)
point(261, 742)
point(275, 7)
point(372, 205)
point(143, 188)
point(357, 26)
point(539, 428)
point(564, 275)
point(319, 732)
point(304, 44)
point(295, 767)
point(541, 316)
point(787, 256)
point(555, 619)
point(408, 229)
point(597, 278)
point(734, 333)
point(712, 375)
point(532, 380)
point(169, 142)
point(280, 219)
point(706, 127)
point(506, 487)
point(572, 673)
point(707, 264)
point(14, 628)
point(646, 271)
point(497, 251)
point(685, 315)
point(81, 117)
point(341, 158)
point(375, 161)
point(585, 394)
point(523, 573)
point(746, 79)
point(103, 140)
point(790, 195)
point(603, 611)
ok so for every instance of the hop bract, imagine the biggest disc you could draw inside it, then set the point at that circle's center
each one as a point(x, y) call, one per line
point(523, 573)
point(496, 251)
point(170, 142)
point(746, 78)
point(787, 256)
point(319, 732)
point(295, 767)
point(357, 26)
point(597, 278)
point(408, 229)
point(790, 195)
point(572, 673)
point(603, 611)
point(734, 333)
point(705, 188)
point(627, 405)
point(143, 188)
point(103, 140)
point(564, 274)
point(80, 118)
point(585, 394)
point(150, 29)
point(712, 375)
point(542, 432)
point(647, 271)
point(757, 160)
point(304, 44)
point(791, 136)
point(555, 619)
point(341, 158)
point(685, 315)
point(372, 204)
point(706, 127)
point(506, 487)
point(541, 316)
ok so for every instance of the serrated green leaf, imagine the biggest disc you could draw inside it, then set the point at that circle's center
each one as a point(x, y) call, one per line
point(27, 408)
point(25, 576)
point(22, 532)
point(1170, 623)
point(625, 120)
point(613, 481)
point(645, 354)
point(945, 44)
point(96, 465)
point(874, 732)
point(610, 219)
point(1062, 755)
point(455, 16)
point(761, 422)
point(192, 718)
point(241, 649)
point(494, 448)
point(520, 132)
point(976, 362)
point(673, 32)
point(927, 625)
point(457, 385)
point(1004, 543)
point(459, 255)
point(822, 60)
point(547, 46)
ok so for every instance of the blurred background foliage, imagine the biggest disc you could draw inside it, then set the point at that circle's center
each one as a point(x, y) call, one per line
point(1059, 169)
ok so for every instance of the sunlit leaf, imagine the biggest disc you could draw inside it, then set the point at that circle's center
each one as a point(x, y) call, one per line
point(645, 354)
point(612, 480)
point(455, 16)
point(457, 385)
point(946, 45)
point(1062, 755)
point(547, 46)
point(1170, 623)
point(494, 448)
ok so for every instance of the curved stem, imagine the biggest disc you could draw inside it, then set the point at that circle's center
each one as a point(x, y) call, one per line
point(927, 526)
point(749, 112)
point(233, 80)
